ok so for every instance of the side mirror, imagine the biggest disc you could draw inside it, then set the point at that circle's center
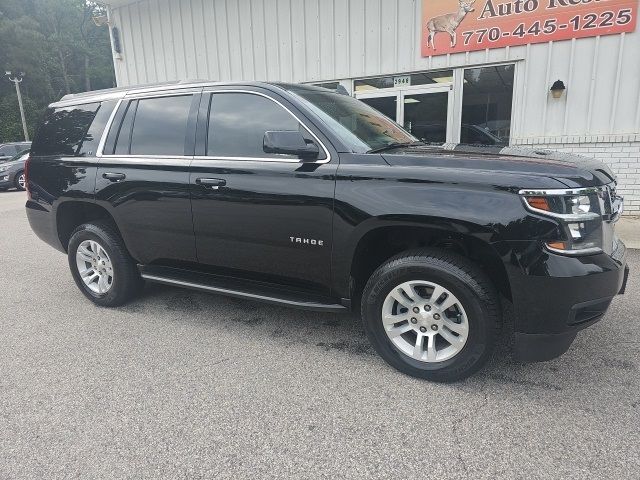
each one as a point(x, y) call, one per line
point(289, 142)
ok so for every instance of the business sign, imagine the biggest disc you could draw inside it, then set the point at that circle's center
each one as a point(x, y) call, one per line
point(450, 26)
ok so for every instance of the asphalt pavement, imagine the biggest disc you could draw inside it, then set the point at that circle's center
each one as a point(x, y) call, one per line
point(180, 384)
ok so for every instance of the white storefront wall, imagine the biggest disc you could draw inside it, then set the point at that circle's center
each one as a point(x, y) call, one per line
point(326, 40)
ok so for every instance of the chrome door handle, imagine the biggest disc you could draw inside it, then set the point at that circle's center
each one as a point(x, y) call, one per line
point(114, 177)
point(213, 183)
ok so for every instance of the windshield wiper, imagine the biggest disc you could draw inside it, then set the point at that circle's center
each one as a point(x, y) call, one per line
point(392, 145)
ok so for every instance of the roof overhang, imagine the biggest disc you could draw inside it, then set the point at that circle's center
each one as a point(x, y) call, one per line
point(117, 3)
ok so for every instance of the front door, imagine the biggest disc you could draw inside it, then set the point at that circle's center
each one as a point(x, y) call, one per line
point(260, 215)
point(425, 113)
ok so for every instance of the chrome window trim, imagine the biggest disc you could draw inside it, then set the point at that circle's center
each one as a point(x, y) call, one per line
point(207, 158)
point(107, 128)
point(162, 160)
point(128, 97)
point(266, 159)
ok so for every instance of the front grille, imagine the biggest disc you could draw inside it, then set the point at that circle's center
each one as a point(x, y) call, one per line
point(611, 204)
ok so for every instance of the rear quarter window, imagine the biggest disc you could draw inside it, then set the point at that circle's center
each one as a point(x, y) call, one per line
point(64, 130)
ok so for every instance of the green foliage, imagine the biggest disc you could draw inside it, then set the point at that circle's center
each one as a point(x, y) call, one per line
point(10, 124)
point(59, 48)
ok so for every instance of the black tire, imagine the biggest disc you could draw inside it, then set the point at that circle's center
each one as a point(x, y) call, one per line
point(126, 283)
point(15, 180)
point(464, 280)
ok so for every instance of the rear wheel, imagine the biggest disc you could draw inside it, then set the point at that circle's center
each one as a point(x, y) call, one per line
point(431, 314)
point(101, 265)
point(20, 181)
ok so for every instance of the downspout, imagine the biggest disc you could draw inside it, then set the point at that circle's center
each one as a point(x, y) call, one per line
point(114, 55)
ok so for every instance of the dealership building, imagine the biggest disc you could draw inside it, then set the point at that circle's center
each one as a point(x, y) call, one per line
point(549, 74)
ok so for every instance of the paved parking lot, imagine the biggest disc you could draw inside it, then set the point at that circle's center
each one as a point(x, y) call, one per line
point(186, 385)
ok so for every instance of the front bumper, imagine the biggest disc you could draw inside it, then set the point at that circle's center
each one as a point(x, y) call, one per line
point(556, 296)
point(8, 178)
point(5, 180)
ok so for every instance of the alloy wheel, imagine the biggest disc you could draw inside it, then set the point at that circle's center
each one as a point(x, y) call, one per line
point(425, 321)
point(94, 267)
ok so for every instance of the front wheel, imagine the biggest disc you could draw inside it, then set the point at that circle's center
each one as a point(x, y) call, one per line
point(431, 314)
point(101, 265)
point(21, 181)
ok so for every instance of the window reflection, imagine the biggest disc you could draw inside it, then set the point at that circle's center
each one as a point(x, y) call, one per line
point(160, 126)
point(238, 122)
point(486, 105)
point(63, 130)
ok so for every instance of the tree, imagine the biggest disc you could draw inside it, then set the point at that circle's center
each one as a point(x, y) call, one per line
point(59, 48)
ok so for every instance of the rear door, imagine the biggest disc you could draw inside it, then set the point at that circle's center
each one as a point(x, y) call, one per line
point(143, 174)
point(269, 216)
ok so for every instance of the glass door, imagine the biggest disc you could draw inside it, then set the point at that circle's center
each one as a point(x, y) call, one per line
point(425, 114)
point(385, 102)
point(422, 111)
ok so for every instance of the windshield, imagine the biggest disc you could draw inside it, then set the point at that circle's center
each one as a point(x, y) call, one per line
point(357, 124)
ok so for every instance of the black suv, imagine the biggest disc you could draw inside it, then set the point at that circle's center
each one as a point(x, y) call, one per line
point(300, 196)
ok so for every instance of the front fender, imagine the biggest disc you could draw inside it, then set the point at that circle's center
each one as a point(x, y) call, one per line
point(369, 197)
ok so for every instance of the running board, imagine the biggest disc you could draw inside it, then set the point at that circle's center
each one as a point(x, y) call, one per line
point(238, 288)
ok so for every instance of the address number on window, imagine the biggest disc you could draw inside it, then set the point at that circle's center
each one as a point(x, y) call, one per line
point(403, 81)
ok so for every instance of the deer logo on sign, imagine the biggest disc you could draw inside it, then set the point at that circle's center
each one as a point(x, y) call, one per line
point(448, 23)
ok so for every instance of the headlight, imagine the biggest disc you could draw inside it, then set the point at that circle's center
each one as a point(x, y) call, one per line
point(4, 169)
point(578, 212)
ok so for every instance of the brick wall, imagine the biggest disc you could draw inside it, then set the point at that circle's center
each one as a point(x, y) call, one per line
point(622, 157)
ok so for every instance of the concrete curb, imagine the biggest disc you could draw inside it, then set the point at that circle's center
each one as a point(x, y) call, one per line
point(628, 229)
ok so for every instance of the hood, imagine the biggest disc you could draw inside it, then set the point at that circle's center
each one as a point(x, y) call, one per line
point(569, 169)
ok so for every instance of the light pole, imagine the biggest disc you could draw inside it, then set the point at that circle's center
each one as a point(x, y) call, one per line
point(16, 79)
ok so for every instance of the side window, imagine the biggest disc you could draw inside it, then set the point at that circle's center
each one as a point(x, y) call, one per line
point(7, 150)
point(64, 130)
point(153, 126)
point(93, 135)
point(238, 122)
point(160, 126)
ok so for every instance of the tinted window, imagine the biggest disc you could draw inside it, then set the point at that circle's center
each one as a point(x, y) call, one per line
point(64, 130)
point(123, 136)
point(93, 135)
point(238, 122)
point(160, 126)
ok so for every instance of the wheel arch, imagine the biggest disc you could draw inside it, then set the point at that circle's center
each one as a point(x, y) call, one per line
point(71, 214)
point(384, 239)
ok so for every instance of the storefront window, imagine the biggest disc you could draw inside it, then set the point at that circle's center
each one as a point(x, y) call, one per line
point(399, 81)
point(425, 116)
point(329, 85)
point(486, 105)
